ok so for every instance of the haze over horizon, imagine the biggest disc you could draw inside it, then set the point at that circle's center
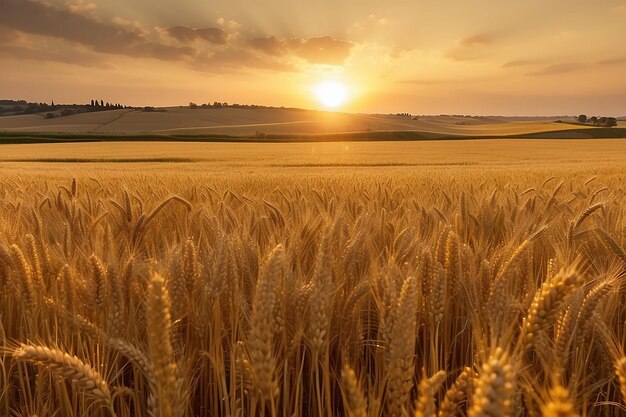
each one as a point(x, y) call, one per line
point(507, 58)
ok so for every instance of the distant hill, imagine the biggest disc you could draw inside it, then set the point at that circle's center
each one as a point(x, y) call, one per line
point(264, 122)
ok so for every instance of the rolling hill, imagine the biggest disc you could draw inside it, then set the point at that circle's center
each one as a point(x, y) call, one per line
point(178, 122)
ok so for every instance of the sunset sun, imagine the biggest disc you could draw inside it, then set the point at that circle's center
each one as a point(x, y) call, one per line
point(331, 93)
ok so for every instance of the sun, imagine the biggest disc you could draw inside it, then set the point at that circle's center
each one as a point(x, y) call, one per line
point(331, 93)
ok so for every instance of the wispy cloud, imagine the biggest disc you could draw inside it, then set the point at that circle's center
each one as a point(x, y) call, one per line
point(572, 67)
point(479, 39)
point(187, 34)
point(612, 61)
point(65, 56)
point(559, 69)
point(472, 47)
point(518, 63)
point(324, 50)
point(437, 81)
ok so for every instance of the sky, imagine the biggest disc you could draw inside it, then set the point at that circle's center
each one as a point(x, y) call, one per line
point(421, 56)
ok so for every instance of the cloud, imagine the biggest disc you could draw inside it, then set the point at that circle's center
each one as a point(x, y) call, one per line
point(480, 39)
point(439, 81)
point(612, 61)
point(71, 57)
point(577, 66)
point(518, 63)
point(269, 45)
point(43, 19)
point(75, 27)
point(186, 34)
point(81, 6)
point(471, 48)
point(7, 35)
point(323, 50)
point(17, 45)
point(559, 69)
point(133, 26)
point(236, 60)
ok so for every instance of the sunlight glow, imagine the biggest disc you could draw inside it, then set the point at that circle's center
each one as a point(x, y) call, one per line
point(331, 93)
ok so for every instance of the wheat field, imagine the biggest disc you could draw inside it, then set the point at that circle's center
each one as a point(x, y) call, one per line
point(435, 290)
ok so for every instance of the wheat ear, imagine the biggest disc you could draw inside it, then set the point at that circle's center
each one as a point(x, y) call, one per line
point(493, 387)
point(456, 394)
point(81, 374)
point(559, 404)
point(546, 303)
point(428, 388)
point(354, 400)
point(620, 371)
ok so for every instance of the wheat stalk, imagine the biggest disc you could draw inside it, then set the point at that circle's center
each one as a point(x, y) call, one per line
point(401, 352)
point(264, 325)
point(165, 399)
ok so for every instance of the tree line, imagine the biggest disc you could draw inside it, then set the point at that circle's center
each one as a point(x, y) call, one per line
point(96, 103)
point(597, 121)
point(52, 110)
point(225, 105)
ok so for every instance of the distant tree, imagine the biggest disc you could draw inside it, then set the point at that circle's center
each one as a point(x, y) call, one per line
point(610, 122)
point(582, 118)
point(593, 120)
point(91, 102)
point(97, 103)
point(52, 103)
point(602, 121)
point(101, 103)
point(192, 105)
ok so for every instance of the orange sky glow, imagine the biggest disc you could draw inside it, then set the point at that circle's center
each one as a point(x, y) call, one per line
point(423, 57)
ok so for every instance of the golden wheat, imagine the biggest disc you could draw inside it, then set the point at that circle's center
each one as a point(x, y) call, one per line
point(313, 295)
